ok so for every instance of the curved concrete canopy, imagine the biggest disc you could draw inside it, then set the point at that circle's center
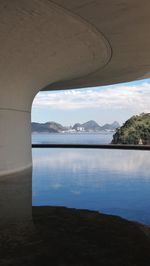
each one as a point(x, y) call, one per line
point(63, 44)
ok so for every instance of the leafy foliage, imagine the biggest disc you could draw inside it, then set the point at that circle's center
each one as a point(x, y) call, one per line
point(135, 130)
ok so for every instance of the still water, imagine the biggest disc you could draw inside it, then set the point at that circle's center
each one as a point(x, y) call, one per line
point(73, 138)
point(110, 181)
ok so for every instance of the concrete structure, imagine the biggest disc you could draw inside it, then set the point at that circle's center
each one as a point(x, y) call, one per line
point(16, 199)
point(62, 44)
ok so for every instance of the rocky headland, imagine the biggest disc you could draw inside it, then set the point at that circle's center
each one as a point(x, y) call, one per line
point(135, 130)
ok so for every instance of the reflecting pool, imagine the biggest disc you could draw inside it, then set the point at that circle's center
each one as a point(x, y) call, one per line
point(111, 181)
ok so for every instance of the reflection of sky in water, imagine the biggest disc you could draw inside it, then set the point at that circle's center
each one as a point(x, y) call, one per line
point(112, 181)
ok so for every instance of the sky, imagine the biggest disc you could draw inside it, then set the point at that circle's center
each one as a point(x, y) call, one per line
point(104, 104)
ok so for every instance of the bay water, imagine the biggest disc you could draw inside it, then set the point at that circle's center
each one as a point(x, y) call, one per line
point(110, 181)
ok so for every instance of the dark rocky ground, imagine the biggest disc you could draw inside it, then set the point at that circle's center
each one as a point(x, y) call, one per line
point(70, 237)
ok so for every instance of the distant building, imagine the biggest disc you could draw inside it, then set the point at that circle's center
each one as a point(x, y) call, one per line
point(80, 129)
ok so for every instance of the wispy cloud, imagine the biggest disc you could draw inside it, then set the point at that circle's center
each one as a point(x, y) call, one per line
point(128, 96)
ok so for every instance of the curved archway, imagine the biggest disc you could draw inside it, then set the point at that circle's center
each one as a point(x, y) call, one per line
point(55, 45)
point(41, 45)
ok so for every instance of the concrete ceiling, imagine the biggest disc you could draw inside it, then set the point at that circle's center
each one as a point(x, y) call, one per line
point(63, 44)
point(125, 24)
point(72, 43)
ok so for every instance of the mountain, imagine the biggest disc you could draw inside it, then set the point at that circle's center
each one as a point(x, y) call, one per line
point(76, 126)
point(115, 125)
point(93, 126)
point(135, 130)
point(55, 126)
point(89, 126)
point(51, 127)
point(112, 126)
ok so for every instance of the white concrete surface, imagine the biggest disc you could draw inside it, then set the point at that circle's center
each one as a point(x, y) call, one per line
point(63, 44)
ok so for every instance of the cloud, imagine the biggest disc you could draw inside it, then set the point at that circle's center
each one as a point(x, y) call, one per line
point(132, 96)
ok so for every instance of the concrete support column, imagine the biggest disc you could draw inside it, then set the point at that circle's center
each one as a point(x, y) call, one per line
point(16, 201)
point(15, 164)
point(15, 140)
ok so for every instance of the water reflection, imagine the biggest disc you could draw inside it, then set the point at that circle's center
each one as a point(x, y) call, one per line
point(114, 181)
point(113, 160)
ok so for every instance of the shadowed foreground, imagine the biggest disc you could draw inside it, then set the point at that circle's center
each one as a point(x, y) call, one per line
point(65, 236)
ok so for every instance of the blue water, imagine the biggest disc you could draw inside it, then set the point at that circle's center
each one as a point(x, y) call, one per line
point(73, 138)
point(111, 181)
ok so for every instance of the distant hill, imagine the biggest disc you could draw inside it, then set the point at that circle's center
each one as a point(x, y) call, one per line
point(135, 130)
point(51, 127)
point(94, 126)
point(76, 126)
point(112, 126)
point(89, 126)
